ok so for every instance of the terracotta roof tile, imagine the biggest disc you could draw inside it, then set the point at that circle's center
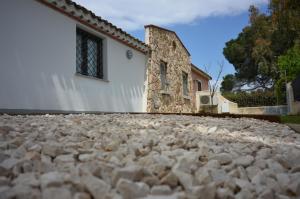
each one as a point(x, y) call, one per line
point(90, 19)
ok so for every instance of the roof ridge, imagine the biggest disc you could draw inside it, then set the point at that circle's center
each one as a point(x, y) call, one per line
point(155, 26)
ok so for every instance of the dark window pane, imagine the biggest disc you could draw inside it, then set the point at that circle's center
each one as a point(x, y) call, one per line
point(88, 54)
point(185, 83)
point(199, 86)
point(91, 58)
point(163, 75)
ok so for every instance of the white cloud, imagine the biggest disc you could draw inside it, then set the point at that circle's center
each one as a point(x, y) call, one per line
point(134, 14)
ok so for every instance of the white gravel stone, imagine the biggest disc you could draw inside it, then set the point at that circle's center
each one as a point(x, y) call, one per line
point(203, 176)
point(52, 149)
point(223, 158)
point(203, 192)
point(244, 160)
point(224, 193)
point(56, 193)
point(170, 179)
point(252, 171)
point(81, 195)
point(52, 179)
point(129, 189)
point(161, 190)
point(267, 194)
point(119, 156)
point(29, 179)
point(132, 172)
point(185, 179)
point(97, 187)
point(244, 194)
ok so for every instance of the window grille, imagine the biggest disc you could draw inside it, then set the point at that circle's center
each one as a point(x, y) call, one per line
point(89, 54)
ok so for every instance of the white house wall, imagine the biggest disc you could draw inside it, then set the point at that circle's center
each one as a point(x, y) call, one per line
point(38, 64)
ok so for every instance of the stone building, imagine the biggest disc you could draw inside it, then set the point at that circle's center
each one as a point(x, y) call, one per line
point(170, 86)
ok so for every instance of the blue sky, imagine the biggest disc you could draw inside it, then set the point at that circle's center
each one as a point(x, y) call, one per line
point(206, 38)
point(203, 26)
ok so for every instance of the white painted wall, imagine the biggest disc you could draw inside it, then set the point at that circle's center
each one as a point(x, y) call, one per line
point(38, 64)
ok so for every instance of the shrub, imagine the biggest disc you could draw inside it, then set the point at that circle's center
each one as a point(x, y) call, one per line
point(252, 99)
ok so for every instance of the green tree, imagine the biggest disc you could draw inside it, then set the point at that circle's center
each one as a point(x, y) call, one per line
point(289, 68)
point(285, 16)
point(228, 83)
point(255, 52)
point(251, 52)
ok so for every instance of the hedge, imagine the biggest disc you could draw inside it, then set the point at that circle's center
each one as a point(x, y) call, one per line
point(252, 99)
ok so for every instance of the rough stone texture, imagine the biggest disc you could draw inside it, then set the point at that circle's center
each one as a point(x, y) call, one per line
point(119, 156)
point(166, 46)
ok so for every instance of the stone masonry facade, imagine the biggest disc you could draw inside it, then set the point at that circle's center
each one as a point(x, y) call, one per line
point(166, 47)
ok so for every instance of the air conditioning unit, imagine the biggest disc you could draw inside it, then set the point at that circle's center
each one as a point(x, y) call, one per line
point(205, 100)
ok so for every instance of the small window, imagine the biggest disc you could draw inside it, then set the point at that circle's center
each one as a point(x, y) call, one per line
point(163, 75)
point(199, 85)
point(174, 45)
point(185, 84)
point(89, 54)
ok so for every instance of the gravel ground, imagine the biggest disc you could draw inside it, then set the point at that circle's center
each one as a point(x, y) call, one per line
point(147, 156)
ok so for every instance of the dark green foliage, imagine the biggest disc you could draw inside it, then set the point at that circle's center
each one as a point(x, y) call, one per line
point(228, 83)
point(257, 53)
point(289, 67)
point(251, 53)
point(257, 98)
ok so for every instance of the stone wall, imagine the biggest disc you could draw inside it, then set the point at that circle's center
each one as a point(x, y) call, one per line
point(294, 106)
point(264, 110)
point(165, 46)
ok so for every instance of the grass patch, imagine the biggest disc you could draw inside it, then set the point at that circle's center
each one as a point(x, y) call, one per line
point(294, 119)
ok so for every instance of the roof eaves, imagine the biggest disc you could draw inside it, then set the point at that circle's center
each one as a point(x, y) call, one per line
point(201, 71)
point(87, 17)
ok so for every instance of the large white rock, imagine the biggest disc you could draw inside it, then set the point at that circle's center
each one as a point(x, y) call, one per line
point(252, 171)
point(244, 160)
point(202, 176)
point(161, 190)
point(56, 193)
point(224, 193)
point(223, 158)
point(97, 187)
point(81, 195)
point(283, 180)
point(29, 179)
point(267, 194)
point(170, 179)
point(202, 192)
point(52, 179)
point(131, 172)
point(52, 149)
point(131, 190)
point(244, 194)
point(185, 179)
